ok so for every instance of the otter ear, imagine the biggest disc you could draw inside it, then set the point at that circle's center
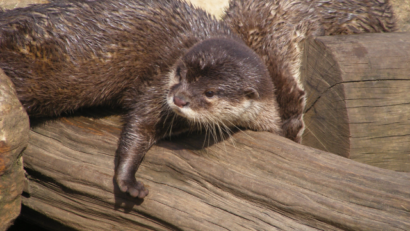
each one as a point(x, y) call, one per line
point(251, 93)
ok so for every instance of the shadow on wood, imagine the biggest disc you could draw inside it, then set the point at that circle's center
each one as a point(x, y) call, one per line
point(255, 181)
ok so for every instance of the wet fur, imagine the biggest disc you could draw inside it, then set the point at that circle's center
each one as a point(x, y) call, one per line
point(71, 54)
point(242, 87)
point(276, 29)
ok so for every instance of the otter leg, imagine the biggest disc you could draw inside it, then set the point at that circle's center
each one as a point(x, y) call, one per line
point(138, 135)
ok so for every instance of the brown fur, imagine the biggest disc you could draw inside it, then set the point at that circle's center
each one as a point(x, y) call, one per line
point(275, 30)
point(157, 59)
point(242, 93)
point(172, 67)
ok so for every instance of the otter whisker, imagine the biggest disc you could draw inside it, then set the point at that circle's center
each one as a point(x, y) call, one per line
point(171, 124)
point(213, 129)
point(229, 132)
point(221, 133)
point(166, 107)
point(241, 130)
point(206, 134)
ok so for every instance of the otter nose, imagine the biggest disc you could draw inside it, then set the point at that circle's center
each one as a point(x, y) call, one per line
point(180, 102)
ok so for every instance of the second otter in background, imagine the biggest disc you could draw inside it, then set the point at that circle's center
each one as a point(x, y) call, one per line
point(276, 29)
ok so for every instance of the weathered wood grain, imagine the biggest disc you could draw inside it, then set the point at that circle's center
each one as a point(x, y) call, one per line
point(357, 97)
point(265, 182)
point(258, 181)
point(14, 128)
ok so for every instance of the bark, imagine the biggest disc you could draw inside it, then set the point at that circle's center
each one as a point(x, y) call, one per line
point(256, 180)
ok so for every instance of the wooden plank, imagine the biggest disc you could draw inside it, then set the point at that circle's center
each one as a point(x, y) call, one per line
point(357, 97)
point(256, 181)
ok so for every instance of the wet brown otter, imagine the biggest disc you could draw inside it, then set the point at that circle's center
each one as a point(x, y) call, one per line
point(275, 30)
point(171, 66)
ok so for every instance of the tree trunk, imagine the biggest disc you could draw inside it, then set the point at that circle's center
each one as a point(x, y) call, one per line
point(256, 180)
point(358, 97)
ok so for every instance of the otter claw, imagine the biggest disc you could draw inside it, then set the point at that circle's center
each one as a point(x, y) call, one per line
point(134, 188)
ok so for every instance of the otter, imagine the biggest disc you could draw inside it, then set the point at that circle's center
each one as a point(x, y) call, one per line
point(172, 67)
point(276, 30)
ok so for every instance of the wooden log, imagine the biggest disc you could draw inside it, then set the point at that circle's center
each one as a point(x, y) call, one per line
point(255, 181)
point(357, 97)
point(264, 182)
point(14, 129)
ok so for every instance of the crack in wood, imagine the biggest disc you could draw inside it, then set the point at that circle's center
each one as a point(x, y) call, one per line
point(353, 81)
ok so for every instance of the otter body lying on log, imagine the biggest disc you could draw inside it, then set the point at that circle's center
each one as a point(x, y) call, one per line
point(174, 68)
point(171, 66)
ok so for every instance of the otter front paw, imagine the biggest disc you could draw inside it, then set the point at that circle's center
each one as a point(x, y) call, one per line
point(132, 186)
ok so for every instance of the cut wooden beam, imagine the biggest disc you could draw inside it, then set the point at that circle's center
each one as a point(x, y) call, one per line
point(358, 101)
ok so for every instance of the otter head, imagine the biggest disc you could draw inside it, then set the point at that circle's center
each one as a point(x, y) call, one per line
point(219, 81)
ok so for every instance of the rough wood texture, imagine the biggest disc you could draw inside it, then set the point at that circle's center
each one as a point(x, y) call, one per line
point(266, 182)
point(260, 181)
point(358, 97)
point(14, 129)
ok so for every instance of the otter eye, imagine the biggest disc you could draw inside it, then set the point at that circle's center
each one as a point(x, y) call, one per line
point(209, 94)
